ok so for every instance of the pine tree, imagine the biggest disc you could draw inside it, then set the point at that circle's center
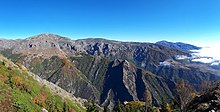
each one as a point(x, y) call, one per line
point(119, 107)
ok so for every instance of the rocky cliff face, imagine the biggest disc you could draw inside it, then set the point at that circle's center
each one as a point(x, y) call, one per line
point(125, 82)
point(106, 70)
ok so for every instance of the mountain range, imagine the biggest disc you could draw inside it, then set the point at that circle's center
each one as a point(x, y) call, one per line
point(108, 71)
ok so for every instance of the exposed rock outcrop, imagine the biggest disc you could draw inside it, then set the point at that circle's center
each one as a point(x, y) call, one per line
point(125, 82)
point(207, 102)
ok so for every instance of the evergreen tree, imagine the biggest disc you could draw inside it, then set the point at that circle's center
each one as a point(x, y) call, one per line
point(91, 107)
point(119, 107)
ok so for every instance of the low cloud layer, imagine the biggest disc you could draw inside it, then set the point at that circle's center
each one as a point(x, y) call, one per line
point(213, 51)
point(208, 55)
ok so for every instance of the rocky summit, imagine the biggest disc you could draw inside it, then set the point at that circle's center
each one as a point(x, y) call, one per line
point(109, 71)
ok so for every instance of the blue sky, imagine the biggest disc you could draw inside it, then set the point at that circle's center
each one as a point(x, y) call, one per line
point(191, 21)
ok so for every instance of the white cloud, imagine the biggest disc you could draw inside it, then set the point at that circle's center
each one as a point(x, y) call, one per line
point(165, 63)
point(212, 51)
point(205, 53)
point(215, 63)
point(182, 57)
point(204, 60)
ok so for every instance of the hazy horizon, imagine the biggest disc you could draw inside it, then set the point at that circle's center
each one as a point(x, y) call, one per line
point(190, 21)
point(206, 44)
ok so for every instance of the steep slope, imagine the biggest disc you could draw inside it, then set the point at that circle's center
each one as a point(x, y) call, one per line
point(125, 82)
point(121, 80)
point(94, 68)
point(63, 73)
point(23, 91)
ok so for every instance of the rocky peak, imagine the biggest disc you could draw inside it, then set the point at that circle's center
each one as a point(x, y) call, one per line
point(45, 45)
point(116, 62)
point(46, 36)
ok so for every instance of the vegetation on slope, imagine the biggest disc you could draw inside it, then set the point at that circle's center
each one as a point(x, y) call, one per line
point(94, 68)
point(20, 92)
point(63, 73)
point(60, 71)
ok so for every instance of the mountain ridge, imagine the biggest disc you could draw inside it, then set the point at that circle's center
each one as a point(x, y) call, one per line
point(87, 67)
point(178, 45)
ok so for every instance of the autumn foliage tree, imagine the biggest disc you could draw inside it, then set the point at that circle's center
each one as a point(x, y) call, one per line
point(185, 93)
point(148, 99)
point(41, 98)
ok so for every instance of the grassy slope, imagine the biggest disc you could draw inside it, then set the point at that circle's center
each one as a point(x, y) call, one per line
point(58, 71)
point(20, 92)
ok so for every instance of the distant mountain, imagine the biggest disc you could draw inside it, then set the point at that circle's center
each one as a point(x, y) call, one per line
point(107, 70)
point(178, 45)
